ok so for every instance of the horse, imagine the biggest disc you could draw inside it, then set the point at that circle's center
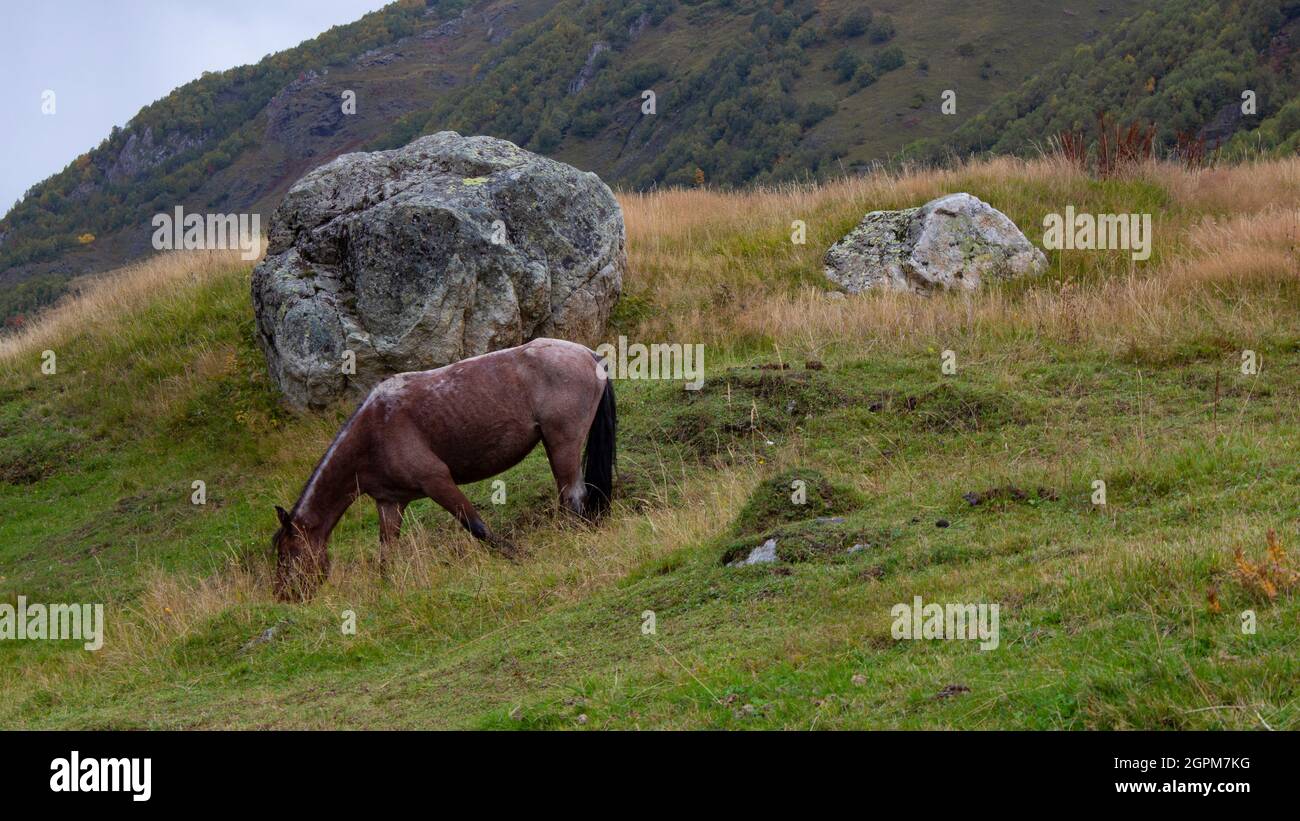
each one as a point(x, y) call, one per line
point(422, 433)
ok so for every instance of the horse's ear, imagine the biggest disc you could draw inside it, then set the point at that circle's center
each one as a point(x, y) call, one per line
point(283, 516)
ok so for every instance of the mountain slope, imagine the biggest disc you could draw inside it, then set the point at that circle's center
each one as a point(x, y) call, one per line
point(746, 91)
point(1183, 66)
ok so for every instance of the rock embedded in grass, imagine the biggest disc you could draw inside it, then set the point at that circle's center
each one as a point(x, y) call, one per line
point(763, 554)
point(265, 637)
point(954, 242)
point(828, 538)
point(418, 257)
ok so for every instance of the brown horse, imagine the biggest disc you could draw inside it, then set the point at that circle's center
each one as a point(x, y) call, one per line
point(420, 434)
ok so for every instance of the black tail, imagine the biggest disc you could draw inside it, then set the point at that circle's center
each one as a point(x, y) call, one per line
point(598, 461)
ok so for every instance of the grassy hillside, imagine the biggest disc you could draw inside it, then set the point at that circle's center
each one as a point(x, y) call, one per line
point(1098, 369)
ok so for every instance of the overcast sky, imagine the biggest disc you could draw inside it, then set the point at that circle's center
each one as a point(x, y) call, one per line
point(106, 60)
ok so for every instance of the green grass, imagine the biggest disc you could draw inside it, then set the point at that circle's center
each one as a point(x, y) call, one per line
point(1129, 647)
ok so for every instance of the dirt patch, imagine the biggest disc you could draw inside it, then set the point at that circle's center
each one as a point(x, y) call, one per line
point(949, 407)
point(27, 458)
point(1001, 498)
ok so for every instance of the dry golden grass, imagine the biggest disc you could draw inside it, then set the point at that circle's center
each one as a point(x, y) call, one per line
point(1229, 224)
point(1135, 311)
point(99, 305)
point(1225, 226)
point(1232, 189)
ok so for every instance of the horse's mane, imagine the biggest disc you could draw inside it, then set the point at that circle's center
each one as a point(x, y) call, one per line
point(293, 511)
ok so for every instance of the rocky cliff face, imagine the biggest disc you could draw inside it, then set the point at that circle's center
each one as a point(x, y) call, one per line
point(142, 152)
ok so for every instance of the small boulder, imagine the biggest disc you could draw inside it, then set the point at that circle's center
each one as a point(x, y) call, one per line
point(953, 242)
point(763, 554)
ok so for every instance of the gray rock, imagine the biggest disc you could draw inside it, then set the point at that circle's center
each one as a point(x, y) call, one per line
point(588, 68)
point(763, 554)
point(414, 258)
point(265, 637)
point(142, 153)
point(953, 242)
point(639, 25)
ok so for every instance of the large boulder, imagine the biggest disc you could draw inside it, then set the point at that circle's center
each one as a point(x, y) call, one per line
point(955, 241)
point(414, 258)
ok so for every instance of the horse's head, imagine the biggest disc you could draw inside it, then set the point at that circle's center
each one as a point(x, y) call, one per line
point(301, 565)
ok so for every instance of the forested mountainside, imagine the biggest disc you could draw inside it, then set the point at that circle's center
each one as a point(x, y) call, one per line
point(1194, 69)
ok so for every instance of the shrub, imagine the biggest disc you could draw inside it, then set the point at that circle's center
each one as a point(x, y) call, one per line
point(889, 59)
point(845, 65)
point(856, 24)
point(881, 31)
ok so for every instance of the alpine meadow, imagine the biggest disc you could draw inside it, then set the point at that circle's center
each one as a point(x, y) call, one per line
point(951, 351)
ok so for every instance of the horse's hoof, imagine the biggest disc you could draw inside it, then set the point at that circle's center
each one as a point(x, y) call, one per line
point(505, 548)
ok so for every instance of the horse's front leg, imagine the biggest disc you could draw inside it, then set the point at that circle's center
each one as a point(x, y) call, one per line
point(390, 528)
point(438, 486)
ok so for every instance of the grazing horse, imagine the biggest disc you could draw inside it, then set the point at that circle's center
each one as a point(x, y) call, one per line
point(420, 434)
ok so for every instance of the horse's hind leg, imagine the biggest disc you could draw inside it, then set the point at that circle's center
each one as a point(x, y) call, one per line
point(564, 452)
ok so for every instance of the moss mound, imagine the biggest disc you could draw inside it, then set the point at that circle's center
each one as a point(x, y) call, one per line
point(749, 404)
point(793, 496)
point(955, 408)
point(806, 541)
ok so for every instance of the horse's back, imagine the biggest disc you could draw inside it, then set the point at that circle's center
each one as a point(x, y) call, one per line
point(484, 414)
point(558, 359)
point(566, 378)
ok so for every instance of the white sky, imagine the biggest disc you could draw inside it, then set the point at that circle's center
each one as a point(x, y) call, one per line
point(106, 60)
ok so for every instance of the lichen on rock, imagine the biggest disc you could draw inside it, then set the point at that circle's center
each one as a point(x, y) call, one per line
point(418, 257)
point(953, 242)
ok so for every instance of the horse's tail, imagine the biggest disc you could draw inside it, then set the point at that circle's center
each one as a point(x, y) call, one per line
point(598, 461)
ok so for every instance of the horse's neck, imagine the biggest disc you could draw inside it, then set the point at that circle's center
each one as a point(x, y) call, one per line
point(331, 489)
